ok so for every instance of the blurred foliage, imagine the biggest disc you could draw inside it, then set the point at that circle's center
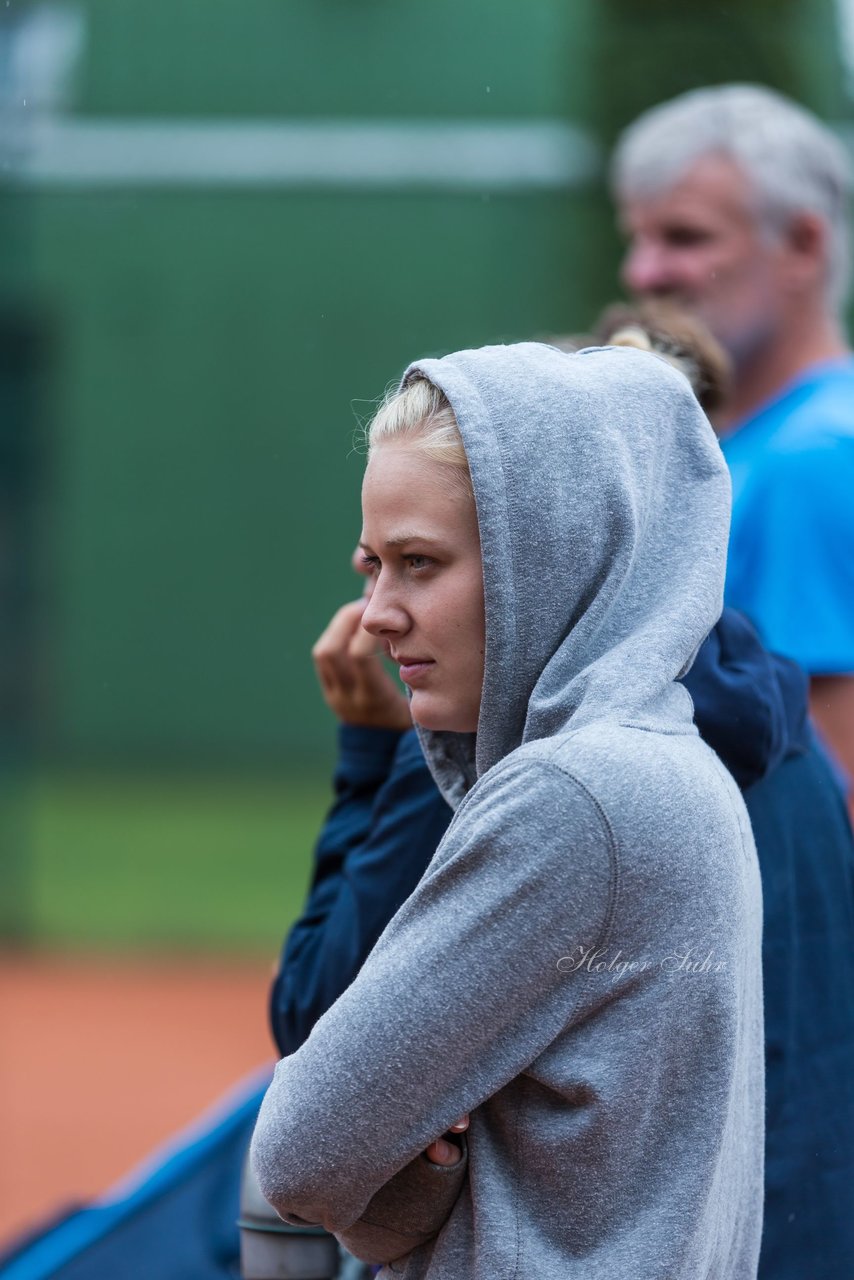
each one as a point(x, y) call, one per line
point(648, 52)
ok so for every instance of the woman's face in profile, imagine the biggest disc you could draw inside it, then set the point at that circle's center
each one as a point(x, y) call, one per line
point(420, 541)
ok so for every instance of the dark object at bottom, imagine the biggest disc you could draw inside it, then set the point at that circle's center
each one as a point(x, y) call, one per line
point(273, 1250)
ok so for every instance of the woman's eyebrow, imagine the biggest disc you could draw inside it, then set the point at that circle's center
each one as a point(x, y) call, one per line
point(400, 539)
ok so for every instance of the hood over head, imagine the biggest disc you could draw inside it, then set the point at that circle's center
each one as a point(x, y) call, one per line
point(749, 705)
point(603, 507)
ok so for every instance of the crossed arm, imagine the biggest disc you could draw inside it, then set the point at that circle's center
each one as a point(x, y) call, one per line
point(459, 996)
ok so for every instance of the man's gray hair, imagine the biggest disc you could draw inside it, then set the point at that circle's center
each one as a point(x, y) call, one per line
point(793, 161)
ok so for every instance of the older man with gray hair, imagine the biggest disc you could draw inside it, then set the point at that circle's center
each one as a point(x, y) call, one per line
point(735, 204)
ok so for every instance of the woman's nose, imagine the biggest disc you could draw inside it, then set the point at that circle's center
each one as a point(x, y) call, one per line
point(383, 615)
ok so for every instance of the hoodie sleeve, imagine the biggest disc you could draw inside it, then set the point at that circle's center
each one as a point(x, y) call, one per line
point(408, 1211)
point(384, 828)
point(462, 992)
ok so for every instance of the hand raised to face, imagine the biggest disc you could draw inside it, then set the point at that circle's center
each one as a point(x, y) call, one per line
point(356, 685)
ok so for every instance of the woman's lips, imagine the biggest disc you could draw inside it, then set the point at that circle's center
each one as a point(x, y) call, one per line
point(411, 672)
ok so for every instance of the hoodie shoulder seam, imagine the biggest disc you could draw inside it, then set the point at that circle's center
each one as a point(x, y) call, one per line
point(610, 835)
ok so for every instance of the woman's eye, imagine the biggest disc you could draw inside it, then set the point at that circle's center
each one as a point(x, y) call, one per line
point(370, 564)
point(418, 562)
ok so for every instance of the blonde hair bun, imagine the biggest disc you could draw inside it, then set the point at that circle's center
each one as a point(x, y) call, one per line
point(663, 328)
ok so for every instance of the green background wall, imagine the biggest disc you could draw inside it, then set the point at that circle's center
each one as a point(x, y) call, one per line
point(211, 347)
point(184, 367)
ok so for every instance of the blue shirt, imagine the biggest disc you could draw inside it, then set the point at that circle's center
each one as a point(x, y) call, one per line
point(791, 550)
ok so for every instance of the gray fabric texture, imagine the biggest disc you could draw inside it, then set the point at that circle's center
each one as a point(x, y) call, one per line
point(579, 968)
point(407, 1211)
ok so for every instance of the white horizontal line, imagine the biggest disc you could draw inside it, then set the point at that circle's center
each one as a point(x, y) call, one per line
point(459, 155)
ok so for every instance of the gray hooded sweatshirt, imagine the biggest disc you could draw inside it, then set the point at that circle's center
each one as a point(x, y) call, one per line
point(579, 968)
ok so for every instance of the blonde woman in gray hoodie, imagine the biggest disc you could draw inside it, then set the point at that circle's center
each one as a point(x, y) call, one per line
point(579, 968)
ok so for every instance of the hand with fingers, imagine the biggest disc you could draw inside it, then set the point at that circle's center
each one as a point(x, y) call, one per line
point(357, 687)
point(443, 1151)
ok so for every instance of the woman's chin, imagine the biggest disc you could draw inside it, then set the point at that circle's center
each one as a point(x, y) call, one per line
point(431, 713)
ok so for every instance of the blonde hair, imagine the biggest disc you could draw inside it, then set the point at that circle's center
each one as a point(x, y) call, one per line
point(660, 326)
point(420, 416)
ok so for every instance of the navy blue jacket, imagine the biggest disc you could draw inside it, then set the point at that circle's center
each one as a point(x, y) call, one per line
point(751, 707)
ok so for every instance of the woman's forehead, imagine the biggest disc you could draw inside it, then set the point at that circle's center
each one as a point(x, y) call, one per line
point(407, 497)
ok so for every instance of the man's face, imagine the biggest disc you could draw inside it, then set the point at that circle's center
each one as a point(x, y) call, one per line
point(699, 243)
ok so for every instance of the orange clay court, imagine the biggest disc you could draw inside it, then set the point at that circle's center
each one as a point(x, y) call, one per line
point(103, 1058)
